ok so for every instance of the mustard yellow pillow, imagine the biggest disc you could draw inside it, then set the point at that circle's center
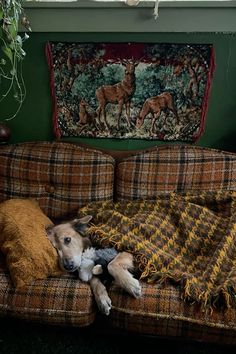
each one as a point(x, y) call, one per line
point(23, 240)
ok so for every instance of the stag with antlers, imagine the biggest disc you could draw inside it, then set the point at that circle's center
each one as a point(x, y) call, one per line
point(120, 93)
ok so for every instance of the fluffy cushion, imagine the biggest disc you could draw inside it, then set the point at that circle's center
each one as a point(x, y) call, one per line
point(23, 239)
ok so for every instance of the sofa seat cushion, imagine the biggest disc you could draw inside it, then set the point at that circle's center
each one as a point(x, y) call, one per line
point(54, 301)
point(60, 176)
point(176, 168)
point(161, 311)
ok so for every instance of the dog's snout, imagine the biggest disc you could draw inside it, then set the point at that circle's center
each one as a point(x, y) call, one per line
point(68, 265)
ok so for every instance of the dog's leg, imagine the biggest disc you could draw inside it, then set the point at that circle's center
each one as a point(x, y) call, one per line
point(119, 268)
point(101, 296)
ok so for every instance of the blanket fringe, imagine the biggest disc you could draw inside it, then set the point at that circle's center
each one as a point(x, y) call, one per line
point(101, 238)
point(190, 291)
point(226, 296)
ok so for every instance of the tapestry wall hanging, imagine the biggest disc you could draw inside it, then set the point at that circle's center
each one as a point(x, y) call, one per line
point(130, 90)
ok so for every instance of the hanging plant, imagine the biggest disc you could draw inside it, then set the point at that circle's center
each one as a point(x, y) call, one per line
point(12, 54)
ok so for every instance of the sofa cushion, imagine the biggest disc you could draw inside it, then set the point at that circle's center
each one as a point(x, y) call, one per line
point(23, 239)
point(176, 168)
point(161, 311)
point(56, 301)
point(60, 176)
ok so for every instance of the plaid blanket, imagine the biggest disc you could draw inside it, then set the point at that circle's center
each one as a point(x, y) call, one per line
point(186, 238)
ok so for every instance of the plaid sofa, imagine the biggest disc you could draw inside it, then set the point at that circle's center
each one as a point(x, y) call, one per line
point(64, 177)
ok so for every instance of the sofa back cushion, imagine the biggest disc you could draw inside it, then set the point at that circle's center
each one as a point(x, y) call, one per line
point(61, 176)
point(176, 168)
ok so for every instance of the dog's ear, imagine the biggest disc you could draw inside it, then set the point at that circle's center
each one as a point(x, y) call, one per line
point(81, 225)
point(50, 233)
point(86, 243)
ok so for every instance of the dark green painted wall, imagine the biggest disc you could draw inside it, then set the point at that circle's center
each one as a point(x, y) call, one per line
point(34, 120)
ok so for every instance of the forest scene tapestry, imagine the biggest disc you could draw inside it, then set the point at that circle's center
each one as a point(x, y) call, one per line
point(130, 90)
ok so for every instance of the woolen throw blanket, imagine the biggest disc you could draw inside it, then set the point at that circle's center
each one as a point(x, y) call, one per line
point(187, 238)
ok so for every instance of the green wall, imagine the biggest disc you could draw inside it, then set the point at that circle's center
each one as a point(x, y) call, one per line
point(34, 120)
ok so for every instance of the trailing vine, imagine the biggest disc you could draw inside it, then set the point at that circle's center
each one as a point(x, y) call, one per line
point(12, 53)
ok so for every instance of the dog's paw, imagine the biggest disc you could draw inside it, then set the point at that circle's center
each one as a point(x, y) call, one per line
point(104, 305)
point(135, 288)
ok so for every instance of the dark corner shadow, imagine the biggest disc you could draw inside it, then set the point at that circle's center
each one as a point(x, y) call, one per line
point(227, 143)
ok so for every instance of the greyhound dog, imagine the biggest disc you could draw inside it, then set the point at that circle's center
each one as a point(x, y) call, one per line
point(71, 242)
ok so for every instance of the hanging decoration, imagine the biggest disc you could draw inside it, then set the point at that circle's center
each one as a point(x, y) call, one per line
point(130, 90)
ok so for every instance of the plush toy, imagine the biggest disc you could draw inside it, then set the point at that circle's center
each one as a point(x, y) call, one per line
point(95, 262)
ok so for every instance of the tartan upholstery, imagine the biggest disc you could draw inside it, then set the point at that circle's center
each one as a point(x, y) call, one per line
point(64, 177)
point(176, 168)
point(161, 311)
point(56, 301)
point(61, 176)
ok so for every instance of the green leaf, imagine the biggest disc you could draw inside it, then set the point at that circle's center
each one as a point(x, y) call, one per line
point(13, 28)
point(7, 51)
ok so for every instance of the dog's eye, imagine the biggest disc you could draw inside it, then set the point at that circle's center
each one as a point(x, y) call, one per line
point(67, 240)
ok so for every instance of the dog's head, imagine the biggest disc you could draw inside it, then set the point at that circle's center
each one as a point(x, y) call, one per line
point(70, 241)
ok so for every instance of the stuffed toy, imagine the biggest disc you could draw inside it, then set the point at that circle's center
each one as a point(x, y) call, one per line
point(95, 262)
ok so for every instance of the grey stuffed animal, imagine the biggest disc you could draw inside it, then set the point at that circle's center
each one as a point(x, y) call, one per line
point(95, 262)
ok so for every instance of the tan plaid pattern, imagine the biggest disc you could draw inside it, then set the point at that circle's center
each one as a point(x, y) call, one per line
point(61, 176)
point(161, 311)
point(175, 169)
point(56, 301)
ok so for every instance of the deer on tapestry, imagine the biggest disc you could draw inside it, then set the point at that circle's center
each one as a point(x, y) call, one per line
point(119, 93)
point(155, 105)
